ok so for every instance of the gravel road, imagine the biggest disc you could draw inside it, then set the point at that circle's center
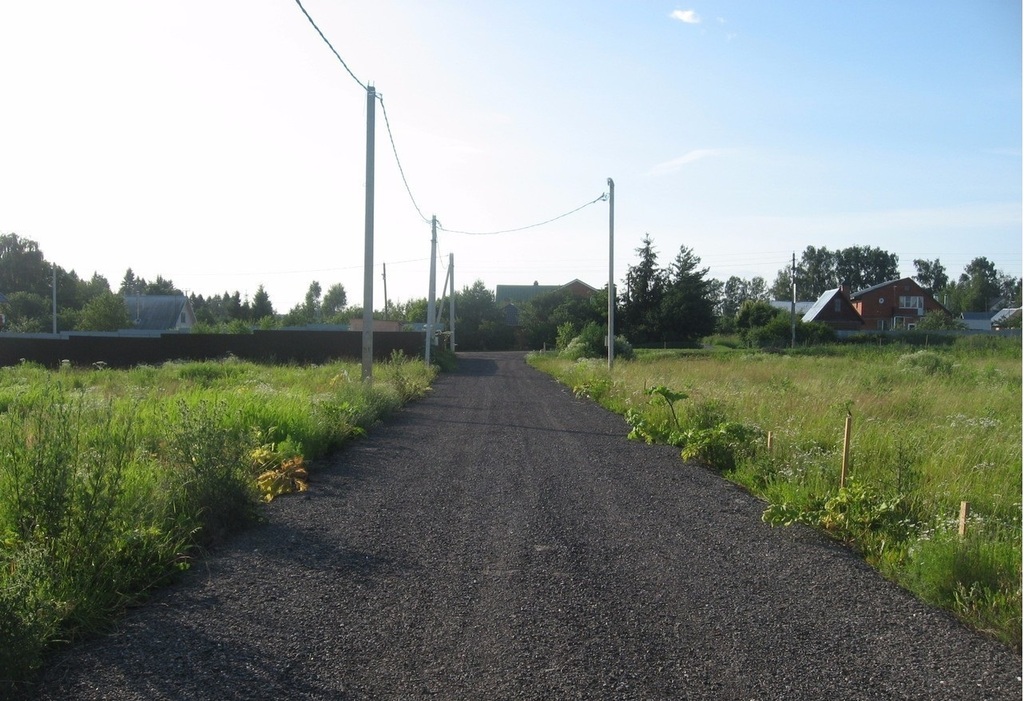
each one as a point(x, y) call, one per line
point(502, 539)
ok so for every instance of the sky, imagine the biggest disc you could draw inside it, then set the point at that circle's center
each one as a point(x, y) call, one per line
point(221, 144)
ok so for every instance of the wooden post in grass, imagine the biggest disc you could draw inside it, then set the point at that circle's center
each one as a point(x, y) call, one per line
point(964, 510)
point(770, 441)
point(846, 449)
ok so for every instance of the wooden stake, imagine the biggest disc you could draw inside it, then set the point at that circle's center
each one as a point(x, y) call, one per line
point(770, 441)
point(846, 450)
point(964, 510)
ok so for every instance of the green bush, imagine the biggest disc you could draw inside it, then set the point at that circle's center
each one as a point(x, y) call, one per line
point(592, 343)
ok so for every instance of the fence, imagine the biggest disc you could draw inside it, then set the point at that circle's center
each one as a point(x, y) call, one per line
point(127, 349)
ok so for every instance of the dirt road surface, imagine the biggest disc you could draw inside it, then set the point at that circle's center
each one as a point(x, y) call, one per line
point(502, 539)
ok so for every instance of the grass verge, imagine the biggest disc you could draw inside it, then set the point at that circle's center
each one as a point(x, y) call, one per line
point(930, 428)
point(113, 481)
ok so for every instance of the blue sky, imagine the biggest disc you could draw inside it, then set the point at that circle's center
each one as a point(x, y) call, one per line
point(222, 145)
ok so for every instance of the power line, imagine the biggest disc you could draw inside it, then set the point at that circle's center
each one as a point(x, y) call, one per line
point(361, 84)
point(603, 196)
point(401, 170)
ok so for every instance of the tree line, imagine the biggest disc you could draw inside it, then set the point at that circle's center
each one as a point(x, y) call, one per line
point(656, 304)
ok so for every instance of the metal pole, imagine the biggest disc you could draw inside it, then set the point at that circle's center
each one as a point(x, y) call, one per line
point(611, 272)
point(451, 300)
point(371, 96)
point(431, 299)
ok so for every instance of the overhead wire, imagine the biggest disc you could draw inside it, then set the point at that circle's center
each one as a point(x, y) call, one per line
point(401, 171)
point(331, 46)
point(602, 197)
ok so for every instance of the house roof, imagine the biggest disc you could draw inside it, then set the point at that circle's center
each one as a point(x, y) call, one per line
point(155, 312)
point(867, 290)
point(518, 294)
point(818, 305)
point(1004, 314)
point(977, 316)
point(784, 305)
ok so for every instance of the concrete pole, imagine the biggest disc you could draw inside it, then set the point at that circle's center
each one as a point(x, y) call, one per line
point(611, 273)
point(385, 276)
point(451, 300)
point(431, 292)
point(371, 97)
point(54, 299)
point(792, 307)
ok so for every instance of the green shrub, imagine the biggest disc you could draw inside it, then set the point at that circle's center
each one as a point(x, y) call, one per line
point(592, 343)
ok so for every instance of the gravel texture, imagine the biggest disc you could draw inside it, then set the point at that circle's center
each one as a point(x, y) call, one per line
point(502, 539)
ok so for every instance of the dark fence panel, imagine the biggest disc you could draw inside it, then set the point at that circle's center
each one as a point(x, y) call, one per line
point(125, 350)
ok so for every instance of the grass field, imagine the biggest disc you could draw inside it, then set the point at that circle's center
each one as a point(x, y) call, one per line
point(112, 481)
point(930, 428)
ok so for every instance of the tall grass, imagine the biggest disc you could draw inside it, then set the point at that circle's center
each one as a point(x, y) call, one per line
point(111, 481)
point(931, 428)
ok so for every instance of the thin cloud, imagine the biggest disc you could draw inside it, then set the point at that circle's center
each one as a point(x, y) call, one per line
point(669, 167)
point(687, 16)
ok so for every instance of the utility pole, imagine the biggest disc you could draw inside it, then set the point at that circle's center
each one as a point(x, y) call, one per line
point(54, 299)
point(451, 301)
point(371, 97)
point(792, 306)
point(433, 282)
point(385, 276)
point(611, 272)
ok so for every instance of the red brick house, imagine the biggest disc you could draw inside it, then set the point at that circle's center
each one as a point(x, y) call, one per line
point(896, 304)
point(835, 309)
point(510, 298)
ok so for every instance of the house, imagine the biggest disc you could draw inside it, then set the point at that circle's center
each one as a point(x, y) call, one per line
point(977, 321)
point(511, 298)
point(160, 312)
point(1006, 319)
point(896, 304)
point(786, 306)
point(835, 309)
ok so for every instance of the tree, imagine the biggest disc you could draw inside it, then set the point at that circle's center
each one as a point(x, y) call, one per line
point(160, 286)
point(931, 274)
point(980, 286)
point(645, 289)
point(735, 291)
point(130, 284)
point(820, 269)
point(543, 315)
point(478, 319)
point(816, 272)
point(333, 306)
point(752, 315)
point(261, 306)
point(28, 312)
point(939, 321)
point(860, 267)
point(687, 308)
point(311, 305)
point(106, 312)
point(23, 267)
point(413, 311)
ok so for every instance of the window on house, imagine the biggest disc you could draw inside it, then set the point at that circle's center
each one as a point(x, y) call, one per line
point(911, 302)
point(838, 305)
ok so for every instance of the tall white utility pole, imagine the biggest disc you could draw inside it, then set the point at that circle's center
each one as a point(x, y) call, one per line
point(54, 288)
point(431, 299)
point(792, 306)
point(451, 300)
point(385, 276)
point(371, 97)
point(611, 272)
